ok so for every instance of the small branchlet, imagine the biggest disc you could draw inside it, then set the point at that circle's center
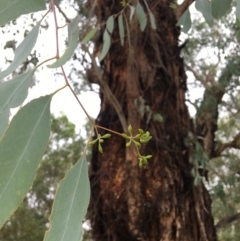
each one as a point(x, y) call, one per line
point(139, 139)
point(100, 139)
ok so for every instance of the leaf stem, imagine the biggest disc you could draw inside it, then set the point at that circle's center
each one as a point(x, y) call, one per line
point(56, 27)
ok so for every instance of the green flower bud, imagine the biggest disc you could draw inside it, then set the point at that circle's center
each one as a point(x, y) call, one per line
point(137, 143)
point(100, 148)
point(125, 136)
point(92, 142)
point(130, 129)
point(106, 136)
point(128, 144)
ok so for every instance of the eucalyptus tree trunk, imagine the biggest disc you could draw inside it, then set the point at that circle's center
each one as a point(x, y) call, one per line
point(142, 81)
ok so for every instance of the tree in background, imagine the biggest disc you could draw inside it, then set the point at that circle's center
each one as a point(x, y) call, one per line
point(214, 67)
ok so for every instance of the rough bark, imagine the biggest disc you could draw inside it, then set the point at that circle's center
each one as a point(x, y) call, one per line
point(159, 201)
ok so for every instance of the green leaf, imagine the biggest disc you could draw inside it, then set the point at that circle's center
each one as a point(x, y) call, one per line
point(106, 45)
point(70, 205)
point(152, 20)
point(73, 35)
point(142, 18)
point(197, 180)
point(158, 117)
point(110, 24)
point(22, 51)
point(204, 7)
point(12, 93)
point(238, 36)
point(132, 10)
point(121, 28)
point(185, 21)
point(10, 10)
point(220, 7)
point(89, 36)
point(238, 9)
point(21, 149)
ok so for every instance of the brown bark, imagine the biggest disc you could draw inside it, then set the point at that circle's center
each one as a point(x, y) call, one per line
point(159, 201)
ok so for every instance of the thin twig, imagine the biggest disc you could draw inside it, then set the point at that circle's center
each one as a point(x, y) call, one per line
point(196, 75)
point(64, 15)
point(56, 28)
point(79, 102)
point(110, 95)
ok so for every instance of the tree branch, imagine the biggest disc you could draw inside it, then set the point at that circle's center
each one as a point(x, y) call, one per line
point(107, 91)
point(232, 144)
point(227, 220)
point(196, 75)
point(180, 9)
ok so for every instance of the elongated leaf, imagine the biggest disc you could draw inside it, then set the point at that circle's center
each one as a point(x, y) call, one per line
point(220, 7)
point(10, 10)
point(121, 28)
point(185, 21)
point(106, 45)
point(142, 18)
point(238, 9)
point(12, 93)
point(4, 120)
point(132, 10)
point(73, 34)
point(152, 20)
point(22, 51)
point(70, 205)
point(21, 149)
point(110, 24)
point(204, 7)
point(89, 36)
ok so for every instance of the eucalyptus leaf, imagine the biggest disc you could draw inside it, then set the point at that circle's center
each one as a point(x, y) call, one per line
point(89, 36)
point(152, 20)
point(110, 24)
point(22, 51)
point(21, 150)
point(204, 7)
point(220, 7)
point(121, 29)
point(185, 21)
point(10, 10)
point(106, 45)
point(158, 117)
point(70, 205)
point(142, 18)
point(132, 10)
point(238, 9)
point(73, 35)
point(12, 93)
